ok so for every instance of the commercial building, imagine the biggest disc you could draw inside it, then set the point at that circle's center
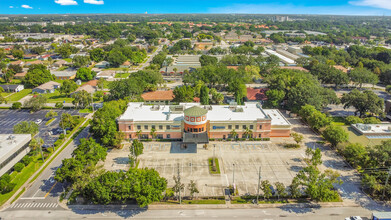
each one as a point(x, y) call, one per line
point(13, 147)
point(373, 130)
point(195, 121)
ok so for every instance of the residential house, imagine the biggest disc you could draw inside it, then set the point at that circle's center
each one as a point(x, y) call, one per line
point(126, 64)
point(44, 57)
point(64, 74)
point(12, 87)
point(30, 56)
point(35, 62)
point(102, 64)
point(106, 74)
point(20, 75)
point(48, 87)
point(18, 62)
point(294, 68)
point(90, 87)
point(256, 94)
point(61, 63)
point(158, 97)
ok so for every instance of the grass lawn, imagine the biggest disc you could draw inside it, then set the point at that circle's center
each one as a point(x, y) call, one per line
point(211, 171)
point(69, 60)
point(50, 121)
point(338, 121)
point(122, 75)
point(87, 110)
point(205, 201)
point(5, 94)
point(19, 95)
point(57, 97)
point(21, 178)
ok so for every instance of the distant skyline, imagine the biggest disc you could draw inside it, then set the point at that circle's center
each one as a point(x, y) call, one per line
point(334, 7)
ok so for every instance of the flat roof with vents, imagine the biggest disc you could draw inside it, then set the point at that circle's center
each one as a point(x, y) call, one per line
point(13, 147)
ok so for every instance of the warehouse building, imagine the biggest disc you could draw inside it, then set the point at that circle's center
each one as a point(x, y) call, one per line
point(13, 147)
point(192, 122)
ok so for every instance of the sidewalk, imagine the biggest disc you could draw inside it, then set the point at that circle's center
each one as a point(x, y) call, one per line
point(214, 206)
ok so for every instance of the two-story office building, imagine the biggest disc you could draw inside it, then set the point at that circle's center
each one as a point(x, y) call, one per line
point(194, 121)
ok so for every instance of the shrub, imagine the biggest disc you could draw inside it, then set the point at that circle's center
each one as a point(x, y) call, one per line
point(59, 105)
point(27, 160)
point(211, 139)
point(57, 143)
point(388, 88)
point(371, 120)
point(62, 136)
point(16, 105)
point(18, 167)
point(295, 146)
point(353, 120)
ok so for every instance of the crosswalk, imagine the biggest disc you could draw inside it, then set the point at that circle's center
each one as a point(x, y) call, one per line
point(34, 205)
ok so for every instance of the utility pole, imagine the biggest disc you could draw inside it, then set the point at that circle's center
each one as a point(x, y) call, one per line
point(259, 180)
point(179, 181)
point(388, 177)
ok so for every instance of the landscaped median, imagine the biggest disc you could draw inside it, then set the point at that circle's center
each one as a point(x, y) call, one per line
point(21, 178)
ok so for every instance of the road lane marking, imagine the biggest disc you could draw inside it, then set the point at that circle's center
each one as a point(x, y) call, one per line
point(50, 189)
point(33, 198)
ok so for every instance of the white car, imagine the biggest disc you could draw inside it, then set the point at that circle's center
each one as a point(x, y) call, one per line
point(38, 121)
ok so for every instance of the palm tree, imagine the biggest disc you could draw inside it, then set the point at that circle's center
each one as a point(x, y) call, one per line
point(175, 69)
point(234, 134)
point(248, 133)
point(138, 133)
point(153, 133)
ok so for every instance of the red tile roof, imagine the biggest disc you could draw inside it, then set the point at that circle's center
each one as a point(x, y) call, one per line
point(294, 68)
point(158, 96)
point(256, 94)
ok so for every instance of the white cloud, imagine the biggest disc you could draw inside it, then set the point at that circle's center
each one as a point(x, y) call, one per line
point(11, 6)
point(94, 2)
point(66, 2)
point(27, 6)
point(271, 8)
point(386, 4)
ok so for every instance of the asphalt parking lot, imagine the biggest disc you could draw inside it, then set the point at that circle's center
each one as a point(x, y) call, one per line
point(239, 162)
point(9, 118)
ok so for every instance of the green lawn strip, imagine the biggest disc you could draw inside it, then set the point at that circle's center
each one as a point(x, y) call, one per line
point(261, 201)
point(86, 110)
point(19, 194)
point(211, 171)
point(50, 121)
point(58, 152)
point(191, 202)
point(19, 95)
point(56, 96)
point(338, 121)
point(209, 201)
point(20, 179)
point(122, 75)
point(354, 137)
point(69, 60)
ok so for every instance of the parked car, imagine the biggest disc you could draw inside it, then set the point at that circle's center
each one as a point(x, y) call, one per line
point(38, 121)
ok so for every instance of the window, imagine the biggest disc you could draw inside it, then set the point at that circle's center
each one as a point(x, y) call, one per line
point(244, 126)
point(191, 129)
point(259, 135)
point(195, 129)
point(202, 128)
point(146, 127)
point(251, 126)
point(168, 136)
point(130, 127)
point(260, 126)
point(236, 126)
point(168, 127)
point(138, 127)
point(160, 127)
point(153, 127)
point(159, 136)
point(229, 127)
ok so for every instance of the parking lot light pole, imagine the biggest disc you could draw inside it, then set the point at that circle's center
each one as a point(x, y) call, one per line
point(233, 177)
point(259, 180)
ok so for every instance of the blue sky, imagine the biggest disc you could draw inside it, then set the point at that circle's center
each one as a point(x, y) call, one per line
point(341, 7)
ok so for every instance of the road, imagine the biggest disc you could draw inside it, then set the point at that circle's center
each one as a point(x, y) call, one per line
point(337, 213)
point(45, 191)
